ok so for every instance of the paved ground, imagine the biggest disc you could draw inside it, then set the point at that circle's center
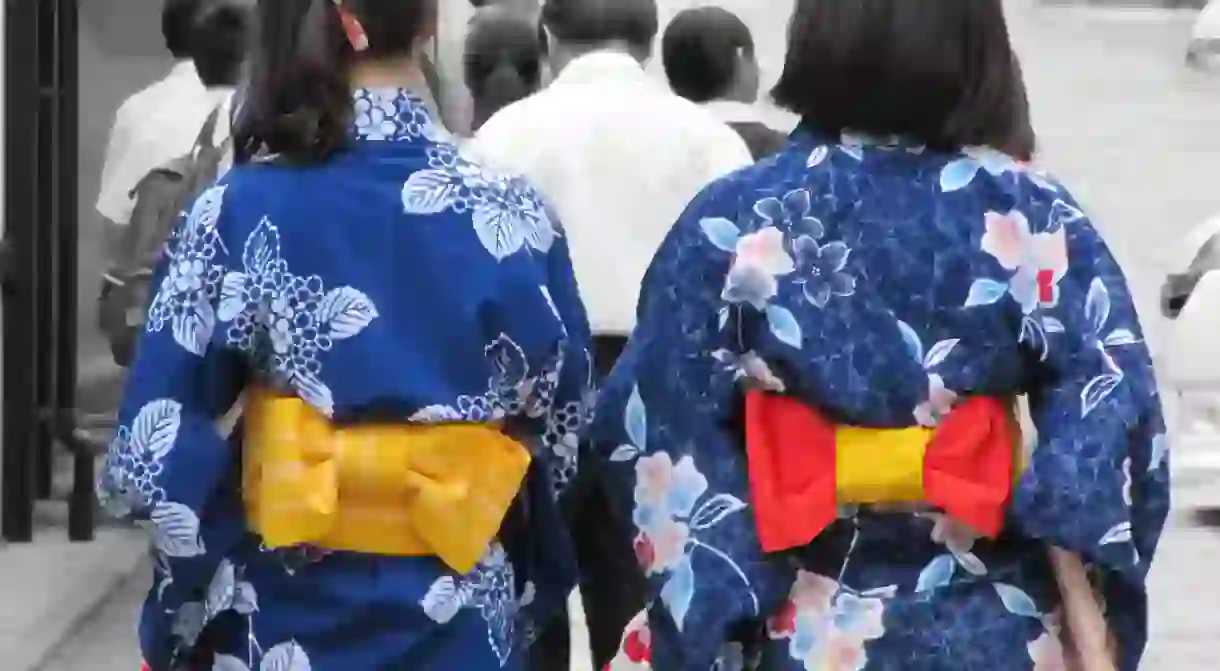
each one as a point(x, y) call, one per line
point(1139, 139)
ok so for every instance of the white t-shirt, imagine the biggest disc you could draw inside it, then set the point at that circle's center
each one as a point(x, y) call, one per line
point(154, 127)
point(619, 157)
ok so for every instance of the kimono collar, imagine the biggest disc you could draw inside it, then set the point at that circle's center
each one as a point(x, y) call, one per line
point(393, 115)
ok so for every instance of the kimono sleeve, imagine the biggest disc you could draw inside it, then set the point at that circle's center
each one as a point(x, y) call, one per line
point(1097, 482)
point(541, 310)
point(168, 458)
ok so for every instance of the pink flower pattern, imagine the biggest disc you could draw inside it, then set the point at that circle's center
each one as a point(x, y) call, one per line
point(826, 625)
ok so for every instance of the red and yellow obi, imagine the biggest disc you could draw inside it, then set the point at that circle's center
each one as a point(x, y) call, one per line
point(802, 466)
point(388, 489)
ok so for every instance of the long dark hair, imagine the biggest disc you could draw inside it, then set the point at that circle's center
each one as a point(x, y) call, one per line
point(299, 101)
point(502, 62)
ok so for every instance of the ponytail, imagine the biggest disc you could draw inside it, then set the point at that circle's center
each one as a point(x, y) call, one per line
point(300, 104)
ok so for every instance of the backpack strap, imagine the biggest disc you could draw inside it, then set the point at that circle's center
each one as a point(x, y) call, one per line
point(207, 134)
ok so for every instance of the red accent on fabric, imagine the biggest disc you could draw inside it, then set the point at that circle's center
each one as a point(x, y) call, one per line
point(1046, 286)
point(968, 468)
point(791, 451)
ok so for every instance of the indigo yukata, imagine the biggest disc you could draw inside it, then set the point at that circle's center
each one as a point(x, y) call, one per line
point(880, 282)
point(396, 279)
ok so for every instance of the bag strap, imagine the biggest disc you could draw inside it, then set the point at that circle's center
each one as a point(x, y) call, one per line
point(208, 132)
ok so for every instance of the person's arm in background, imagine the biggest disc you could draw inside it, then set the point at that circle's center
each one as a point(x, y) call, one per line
point(114, 200)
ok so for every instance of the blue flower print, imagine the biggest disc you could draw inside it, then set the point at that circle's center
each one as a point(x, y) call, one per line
point(792, 213)
point(820, 270)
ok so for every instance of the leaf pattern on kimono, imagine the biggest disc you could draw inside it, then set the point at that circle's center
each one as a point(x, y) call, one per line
point(176, 530)
point(636, 420)
point(721, 232)
point(1016, 601)
point(938, 573)
point(345, 312)
point(429, 192)
point(1119, 533)
point(155, 429)
point(443, 601)
point(286, 657)
point(679, 591)
point(714, 510)
point(784, 326)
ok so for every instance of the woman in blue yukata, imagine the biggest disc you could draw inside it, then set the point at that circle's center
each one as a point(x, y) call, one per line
point(812, 427)
point(397, 335)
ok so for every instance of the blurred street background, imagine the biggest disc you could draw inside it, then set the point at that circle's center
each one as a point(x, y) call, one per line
point(1134, 133)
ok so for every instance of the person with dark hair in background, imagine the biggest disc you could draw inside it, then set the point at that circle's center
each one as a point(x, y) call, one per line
point(708, 54)
point(618, 156)
point(503, 61)
point(812, 427)
point(159, 123)
point(354, 411)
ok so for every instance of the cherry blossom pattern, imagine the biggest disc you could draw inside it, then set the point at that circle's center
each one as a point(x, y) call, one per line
point(187, 293)
point(1046, 651)
point(507, 213)
point(759, 259)
point(491, 589)
point(959, 540)
point(940, 400)
point(299, 320)
point(827, 625)
point(1038, 262)
point(669, 512)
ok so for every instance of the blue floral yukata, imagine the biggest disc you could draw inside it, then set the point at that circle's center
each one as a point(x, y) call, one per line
point(879, 282)
point(397, 278)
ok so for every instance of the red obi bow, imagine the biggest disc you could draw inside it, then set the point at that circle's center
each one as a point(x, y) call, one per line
point(795, 465)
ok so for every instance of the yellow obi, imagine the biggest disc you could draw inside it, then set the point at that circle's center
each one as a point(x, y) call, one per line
point(387, 489)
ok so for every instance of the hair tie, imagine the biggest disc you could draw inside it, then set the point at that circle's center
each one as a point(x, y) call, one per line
point(352, 28)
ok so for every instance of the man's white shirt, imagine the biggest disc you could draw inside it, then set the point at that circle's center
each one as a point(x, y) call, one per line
point(154, 127)
point(618, 157)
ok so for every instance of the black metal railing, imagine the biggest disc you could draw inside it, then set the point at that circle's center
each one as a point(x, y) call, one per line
point(40, 267)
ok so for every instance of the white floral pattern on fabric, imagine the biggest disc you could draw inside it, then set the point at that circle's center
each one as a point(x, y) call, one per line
point(392, 115)
point(491, 589)
point(187, 292)
point(299, 319)
point(507, 213)
point(940, 399)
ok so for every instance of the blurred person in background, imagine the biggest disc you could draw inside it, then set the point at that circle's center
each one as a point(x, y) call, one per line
point(354, 408)
point(161, 122)
point(708, 54)
point(876, 296)
point(619, 156)
point(503, 61)
point(1204, 47)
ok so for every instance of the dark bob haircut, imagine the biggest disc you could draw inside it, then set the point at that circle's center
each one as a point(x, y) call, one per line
point(700, 51)
point(595, 22)
point(299, 104)
point(177, 22)
point(218, 44)
point(502, 62)
point(938, 71)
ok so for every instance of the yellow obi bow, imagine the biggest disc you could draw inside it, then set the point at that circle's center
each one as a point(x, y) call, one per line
point(388, 489)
